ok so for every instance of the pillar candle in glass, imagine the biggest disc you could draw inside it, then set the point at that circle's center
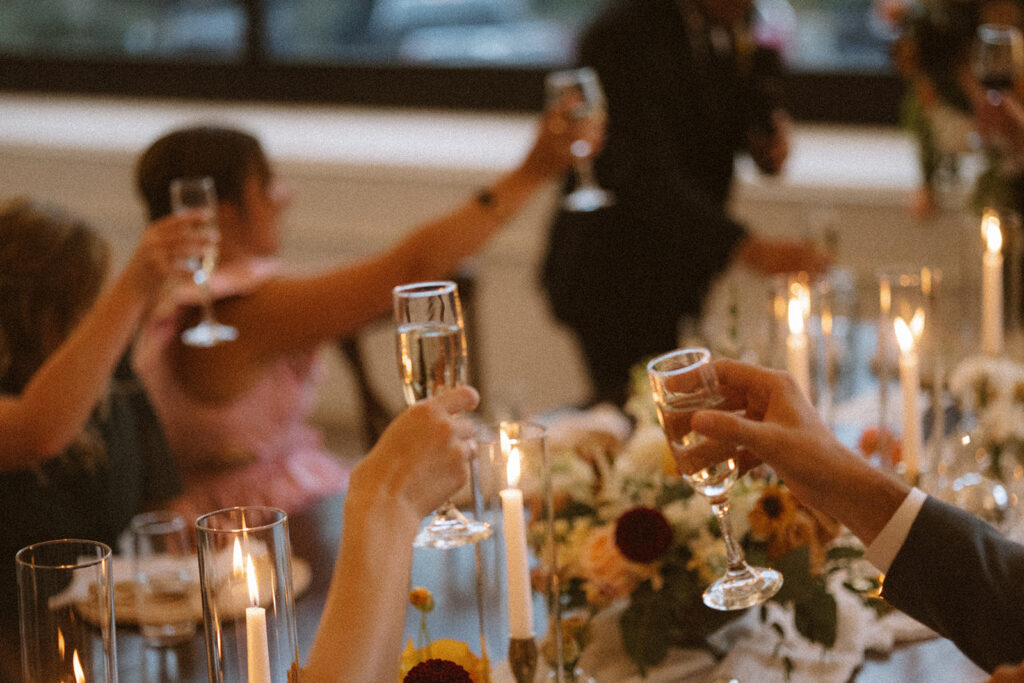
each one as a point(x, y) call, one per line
point(992, 285)
point(910, 382)
point(66, 611)
point(248, 603)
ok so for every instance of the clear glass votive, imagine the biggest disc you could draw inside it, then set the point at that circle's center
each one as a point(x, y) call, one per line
point(248, 603)
point(166, 577)
point(66, 611)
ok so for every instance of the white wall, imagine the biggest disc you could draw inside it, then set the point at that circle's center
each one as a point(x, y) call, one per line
point(363, 177)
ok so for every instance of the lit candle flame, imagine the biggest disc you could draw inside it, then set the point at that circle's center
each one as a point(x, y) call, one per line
point(904, 337)
point(991, 232)
point(237, 564)
point(250, 577)
point(917, 324)
point(513, 468)
point(79, 672)
point(60, 643)
point(796, 316)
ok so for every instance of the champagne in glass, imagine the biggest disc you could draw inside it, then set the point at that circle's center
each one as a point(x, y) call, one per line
point(683, 382)
point(586, 87)
point(188, 194)
point(432, 358)
point(431, 344)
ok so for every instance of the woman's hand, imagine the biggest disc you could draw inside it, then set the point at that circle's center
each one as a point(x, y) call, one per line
point(421, 459)
point(166, 247)
point(551, 154)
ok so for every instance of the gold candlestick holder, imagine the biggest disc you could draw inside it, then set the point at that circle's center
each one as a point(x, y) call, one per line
point(522, 659)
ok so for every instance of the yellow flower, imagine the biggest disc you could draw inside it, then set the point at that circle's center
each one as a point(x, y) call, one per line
point(449, 650)
point(773, 512)
point(422, 599)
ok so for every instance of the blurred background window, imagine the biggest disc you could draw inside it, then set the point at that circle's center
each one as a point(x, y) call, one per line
point(459, 53)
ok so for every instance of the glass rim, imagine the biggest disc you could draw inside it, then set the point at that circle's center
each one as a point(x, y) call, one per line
point(201, 523)
point(703, 356)
point(104, 555)
point(424, 289)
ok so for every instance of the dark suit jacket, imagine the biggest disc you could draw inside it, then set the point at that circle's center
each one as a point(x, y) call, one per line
point(965, 580)
point(677, 114)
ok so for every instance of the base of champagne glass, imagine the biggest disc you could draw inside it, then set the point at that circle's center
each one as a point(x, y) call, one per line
point(452, 531)
point(742, 588)
point(588, 199)
point(208, 334)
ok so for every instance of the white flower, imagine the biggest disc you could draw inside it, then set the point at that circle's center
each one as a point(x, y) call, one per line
point(643, 456)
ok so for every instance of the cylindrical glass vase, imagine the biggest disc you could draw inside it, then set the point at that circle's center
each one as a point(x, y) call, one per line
point(248, 603)
point(66, 611)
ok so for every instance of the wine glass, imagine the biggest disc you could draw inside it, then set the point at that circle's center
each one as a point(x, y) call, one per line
point(189, 194)
point(584, 83)
point(998, 56)
point(682, 382)
point(431, 360)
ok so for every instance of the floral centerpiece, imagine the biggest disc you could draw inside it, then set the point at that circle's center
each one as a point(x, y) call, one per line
point(989, 393)
point(628, 530)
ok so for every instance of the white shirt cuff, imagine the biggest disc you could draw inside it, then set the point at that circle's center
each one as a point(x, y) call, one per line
point(890, 539)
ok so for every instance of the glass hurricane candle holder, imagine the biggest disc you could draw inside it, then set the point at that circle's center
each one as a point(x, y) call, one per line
point(248, 603)
point(66, 611)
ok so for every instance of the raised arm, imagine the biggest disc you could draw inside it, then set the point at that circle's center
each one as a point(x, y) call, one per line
point(289, 314)
point(56, 403)
point(418, 463)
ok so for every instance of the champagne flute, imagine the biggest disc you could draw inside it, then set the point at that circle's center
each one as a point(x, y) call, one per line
point(189, 194)
point(431, 360)
point(584, 83)
point(683, 382)
point(998, 56)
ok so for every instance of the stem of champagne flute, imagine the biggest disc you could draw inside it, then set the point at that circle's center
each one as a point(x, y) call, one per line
point(733, 553)
point(584, 171)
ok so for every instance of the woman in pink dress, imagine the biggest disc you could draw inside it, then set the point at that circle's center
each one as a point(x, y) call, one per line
point(236, 413)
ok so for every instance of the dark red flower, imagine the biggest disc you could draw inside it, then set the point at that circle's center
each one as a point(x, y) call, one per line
point(437, 671)
point(643, 534)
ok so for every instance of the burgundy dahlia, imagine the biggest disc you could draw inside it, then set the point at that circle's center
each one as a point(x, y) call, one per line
point(643, 534)
point(437, 671)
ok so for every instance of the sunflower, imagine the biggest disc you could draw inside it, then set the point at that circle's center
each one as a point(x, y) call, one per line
point(773, 512)
point(446, 656)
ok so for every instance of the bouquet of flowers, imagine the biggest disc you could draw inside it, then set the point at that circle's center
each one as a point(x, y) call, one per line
point(629, 530)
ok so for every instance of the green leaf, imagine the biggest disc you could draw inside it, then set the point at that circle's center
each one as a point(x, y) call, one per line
point(843, 552)
point(815, 618)
point(799, 583)
point(646, 626)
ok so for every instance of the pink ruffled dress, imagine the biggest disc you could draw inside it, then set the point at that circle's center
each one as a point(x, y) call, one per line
point(257, 449)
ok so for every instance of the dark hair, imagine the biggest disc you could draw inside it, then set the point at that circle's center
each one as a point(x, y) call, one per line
point(228, 155)
point(52, 268)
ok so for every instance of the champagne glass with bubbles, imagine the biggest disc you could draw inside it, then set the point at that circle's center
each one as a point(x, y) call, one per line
point(199, 194)
point(683, 382)
point(431, 360)
point(585, 85)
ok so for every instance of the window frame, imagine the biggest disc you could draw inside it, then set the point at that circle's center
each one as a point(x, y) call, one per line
point(867, 98)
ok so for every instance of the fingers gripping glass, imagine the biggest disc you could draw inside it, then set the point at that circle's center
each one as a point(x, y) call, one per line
point(188, 194)
point(683, 382)
point(583, 83)
point(432, 359)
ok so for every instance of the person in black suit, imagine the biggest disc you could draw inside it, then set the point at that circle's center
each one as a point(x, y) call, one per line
point(686, 90)
point(946, 568)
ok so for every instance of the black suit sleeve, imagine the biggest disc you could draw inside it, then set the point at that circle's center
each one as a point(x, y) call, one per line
point(962, 578)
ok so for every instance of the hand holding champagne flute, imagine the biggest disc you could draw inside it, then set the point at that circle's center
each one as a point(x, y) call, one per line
point(586, 87)
point(683, 382)
point(189, 194)
point(431, 341)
